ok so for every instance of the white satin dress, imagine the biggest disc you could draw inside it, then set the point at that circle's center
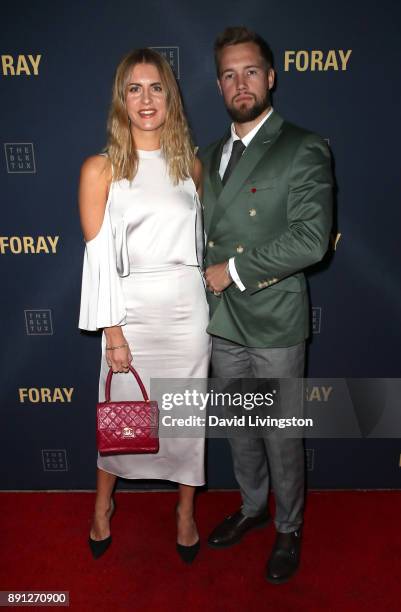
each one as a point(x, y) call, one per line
point(142, 271)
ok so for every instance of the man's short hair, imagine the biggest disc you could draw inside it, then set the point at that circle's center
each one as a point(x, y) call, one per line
point(241, 34)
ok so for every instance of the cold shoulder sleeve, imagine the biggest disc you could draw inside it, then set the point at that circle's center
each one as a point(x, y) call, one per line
point(102, 300)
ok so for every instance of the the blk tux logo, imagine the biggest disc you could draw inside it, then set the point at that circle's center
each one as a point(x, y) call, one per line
point(20, 157)
point(172, 55)
point(316, 319)
point(17, 65)
point(39, 322)
point(317, 60)
point(54, 460)
point(310, 459)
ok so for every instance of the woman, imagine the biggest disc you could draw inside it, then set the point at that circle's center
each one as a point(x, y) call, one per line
point(142, 284)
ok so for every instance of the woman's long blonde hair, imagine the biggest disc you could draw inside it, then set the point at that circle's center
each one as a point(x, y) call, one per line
point(175, 142)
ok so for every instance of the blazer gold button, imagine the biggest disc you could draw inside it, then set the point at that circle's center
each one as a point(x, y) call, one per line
point(210, 244)
point(252, 212)
point(240, 248)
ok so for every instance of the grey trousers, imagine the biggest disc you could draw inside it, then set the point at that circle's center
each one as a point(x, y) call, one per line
point(274, 459)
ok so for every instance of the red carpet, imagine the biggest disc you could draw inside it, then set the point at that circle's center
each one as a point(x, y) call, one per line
point(351, 555)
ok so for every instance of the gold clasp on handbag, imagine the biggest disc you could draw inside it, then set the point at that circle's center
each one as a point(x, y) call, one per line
point(128, 432)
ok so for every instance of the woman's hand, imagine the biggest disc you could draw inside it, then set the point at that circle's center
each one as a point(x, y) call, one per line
point(117, 358)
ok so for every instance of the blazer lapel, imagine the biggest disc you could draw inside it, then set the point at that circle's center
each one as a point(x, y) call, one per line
point(256, 149)
point(215, 180)
point(215, 166)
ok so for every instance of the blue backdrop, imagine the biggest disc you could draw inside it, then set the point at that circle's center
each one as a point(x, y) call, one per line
point(337, 71)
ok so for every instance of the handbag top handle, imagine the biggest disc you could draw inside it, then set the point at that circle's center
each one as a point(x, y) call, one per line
point(138, 380)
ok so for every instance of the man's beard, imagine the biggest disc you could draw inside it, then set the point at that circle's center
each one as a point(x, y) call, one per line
point(246, 114)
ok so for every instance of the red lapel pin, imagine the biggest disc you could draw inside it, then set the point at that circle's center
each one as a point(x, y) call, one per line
point(253, 190)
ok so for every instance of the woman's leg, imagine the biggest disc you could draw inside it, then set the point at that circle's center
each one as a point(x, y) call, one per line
point(103, 507)
point(187, 533)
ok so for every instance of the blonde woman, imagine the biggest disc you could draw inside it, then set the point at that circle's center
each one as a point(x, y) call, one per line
point(142, 282)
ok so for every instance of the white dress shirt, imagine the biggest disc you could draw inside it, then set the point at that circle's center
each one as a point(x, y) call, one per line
point(225, 157)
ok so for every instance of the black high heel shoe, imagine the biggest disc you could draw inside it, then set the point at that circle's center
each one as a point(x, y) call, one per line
point(99, 547)
point(188, 553)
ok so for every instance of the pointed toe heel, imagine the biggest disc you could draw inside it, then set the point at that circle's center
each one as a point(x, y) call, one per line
point(188, 553)
point(99, 547)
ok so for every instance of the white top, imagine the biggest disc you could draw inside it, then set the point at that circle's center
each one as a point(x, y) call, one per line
point(147, 222)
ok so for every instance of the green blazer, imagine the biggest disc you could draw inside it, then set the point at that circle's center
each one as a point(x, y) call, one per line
point(274, 216)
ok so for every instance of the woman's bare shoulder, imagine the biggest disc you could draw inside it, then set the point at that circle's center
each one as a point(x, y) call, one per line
point(97, 167)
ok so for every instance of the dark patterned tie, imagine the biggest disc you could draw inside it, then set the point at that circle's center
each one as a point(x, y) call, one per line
point(238, 149)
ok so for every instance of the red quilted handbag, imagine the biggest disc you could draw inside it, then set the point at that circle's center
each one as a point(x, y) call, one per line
point(127, 427)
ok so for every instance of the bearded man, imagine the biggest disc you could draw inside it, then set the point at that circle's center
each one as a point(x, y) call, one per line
point(268, 209)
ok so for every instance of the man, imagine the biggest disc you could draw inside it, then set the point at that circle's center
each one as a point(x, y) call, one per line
point(267, 204)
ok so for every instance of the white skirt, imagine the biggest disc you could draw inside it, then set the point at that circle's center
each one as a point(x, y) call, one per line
point(167, 316)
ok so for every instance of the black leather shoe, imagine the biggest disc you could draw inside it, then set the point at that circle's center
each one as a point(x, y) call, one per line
point(234, 527)
point(188, 553)
point(285, 556)
point(99, 547)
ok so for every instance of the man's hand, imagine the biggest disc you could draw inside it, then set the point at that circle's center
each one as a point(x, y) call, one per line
point(218, 277)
